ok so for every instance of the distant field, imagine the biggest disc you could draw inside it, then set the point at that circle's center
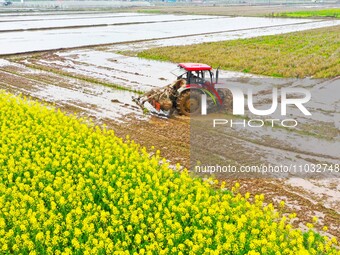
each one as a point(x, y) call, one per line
point(246, 10)
point(330, 13)
point(313, 53)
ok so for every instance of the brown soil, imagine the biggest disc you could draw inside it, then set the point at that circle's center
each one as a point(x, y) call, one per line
point(171, 136)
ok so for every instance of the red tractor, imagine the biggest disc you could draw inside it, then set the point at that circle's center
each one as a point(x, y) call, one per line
point(199, 79)
point(193, 79)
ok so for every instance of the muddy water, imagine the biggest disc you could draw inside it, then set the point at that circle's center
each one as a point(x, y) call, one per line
point(100, 102)
point(53, 16)
point(94, 21)
point(134, 73)
point(18, 42)
point(223, 36)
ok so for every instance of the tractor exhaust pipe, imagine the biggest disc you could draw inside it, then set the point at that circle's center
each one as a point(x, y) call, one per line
point(217, 71)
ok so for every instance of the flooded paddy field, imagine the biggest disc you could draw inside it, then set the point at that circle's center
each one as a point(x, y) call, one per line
point(98, 82)
point(72, 33)
point(92, 21)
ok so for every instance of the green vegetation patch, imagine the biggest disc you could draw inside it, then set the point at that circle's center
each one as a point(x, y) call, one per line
point(313, 53)
point(330, 13)
point(152, 11)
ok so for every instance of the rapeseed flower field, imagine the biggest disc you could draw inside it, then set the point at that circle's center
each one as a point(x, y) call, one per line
point(70, 187)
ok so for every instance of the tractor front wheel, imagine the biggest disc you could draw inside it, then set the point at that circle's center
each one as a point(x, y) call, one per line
point(189, 103)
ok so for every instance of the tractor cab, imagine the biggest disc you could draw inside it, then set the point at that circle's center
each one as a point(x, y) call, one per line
point(196, 73)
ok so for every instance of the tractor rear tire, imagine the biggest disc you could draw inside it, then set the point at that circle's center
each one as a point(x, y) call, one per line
point(189, 103)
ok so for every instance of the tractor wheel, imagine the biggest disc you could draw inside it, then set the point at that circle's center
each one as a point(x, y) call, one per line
point(189, 103)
